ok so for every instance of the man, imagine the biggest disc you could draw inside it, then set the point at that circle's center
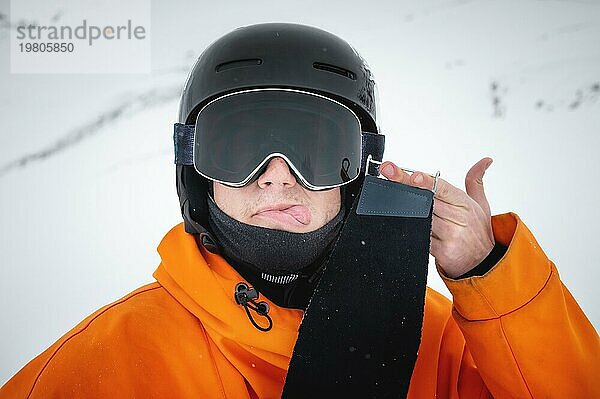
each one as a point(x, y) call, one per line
point(275, 150)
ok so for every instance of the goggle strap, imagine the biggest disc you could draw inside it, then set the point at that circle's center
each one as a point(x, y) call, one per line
point(183, 140)
point(373, 145)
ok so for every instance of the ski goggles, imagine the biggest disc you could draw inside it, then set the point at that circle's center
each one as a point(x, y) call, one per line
point(236, 135)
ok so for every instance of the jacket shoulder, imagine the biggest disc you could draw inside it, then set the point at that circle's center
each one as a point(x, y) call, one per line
point(120, 341)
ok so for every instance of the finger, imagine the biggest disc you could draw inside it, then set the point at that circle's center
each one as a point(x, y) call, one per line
point(439, 228)
point(474, 183)
point(444, 190)
point(397, 174)
point(449, 213)
point(449, 194)
point(393, 172)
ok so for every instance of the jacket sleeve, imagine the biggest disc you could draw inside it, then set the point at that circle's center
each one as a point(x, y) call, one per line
point(525, 335)
point(57, 372)
point(94, 359)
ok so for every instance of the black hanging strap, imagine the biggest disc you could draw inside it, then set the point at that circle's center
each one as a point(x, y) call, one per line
point(362, 329)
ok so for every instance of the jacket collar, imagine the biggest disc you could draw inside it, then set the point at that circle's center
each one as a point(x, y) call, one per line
point(204, 283)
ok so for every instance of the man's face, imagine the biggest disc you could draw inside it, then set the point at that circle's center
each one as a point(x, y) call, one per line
point(277, 201)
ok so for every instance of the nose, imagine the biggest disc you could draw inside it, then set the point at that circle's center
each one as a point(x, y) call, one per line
point(277, 173)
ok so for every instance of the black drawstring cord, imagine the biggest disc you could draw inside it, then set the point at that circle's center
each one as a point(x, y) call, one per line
point(245, 296)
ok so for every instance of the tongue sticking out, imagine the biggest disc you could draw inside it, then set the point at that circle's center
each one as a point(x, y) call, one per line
point(298, 212)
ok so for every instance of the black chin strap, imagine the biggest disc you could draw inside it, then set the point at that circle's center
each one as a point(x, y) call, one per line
point(362, 328)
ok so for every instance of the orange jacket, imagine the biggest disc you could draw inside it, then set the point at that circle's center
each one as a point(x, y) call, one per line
point(514, 333)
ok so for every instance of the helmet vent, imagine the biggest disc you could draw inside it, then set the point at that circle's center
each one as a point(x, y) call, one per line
point(237, 64)
point(335, 69)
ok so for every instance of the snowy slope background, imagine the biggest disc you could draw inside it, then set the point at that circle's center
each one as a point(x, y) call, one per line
point(87, 180)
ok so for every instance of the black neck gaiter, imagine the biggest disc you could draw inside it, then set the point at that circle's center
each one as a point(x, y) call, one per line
point(279, 264)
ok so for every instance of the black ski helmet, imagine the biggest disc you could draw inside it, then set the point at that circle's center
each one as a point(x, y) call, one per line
point(274, 55)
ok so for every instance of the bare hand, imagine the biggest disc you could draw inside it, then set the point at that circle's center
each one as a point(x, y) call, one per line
point(461, 231)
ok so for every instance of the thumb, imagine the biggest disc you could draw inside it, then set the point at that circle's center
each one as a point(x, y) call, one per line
point(474, 183)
